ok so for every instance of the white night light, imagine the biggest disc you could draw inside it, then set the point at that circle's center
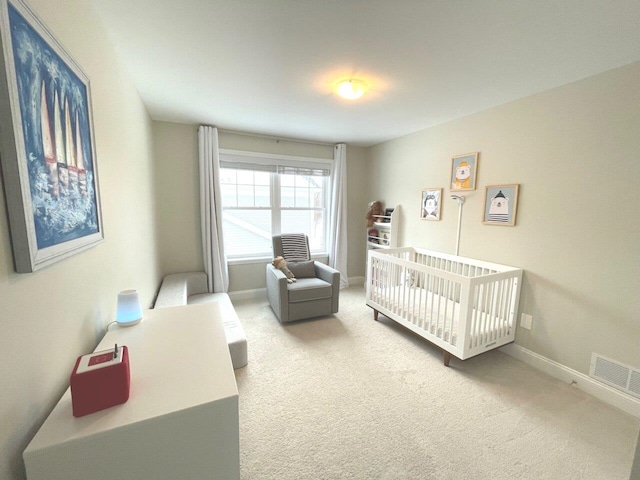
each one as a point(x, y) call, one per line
point(129, 311)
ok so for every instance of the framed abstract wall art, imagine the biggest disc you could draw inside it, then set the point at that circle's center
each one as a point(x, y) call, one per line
point(48, 149)
point(430, 204)
point(464, 170)
point(500, 204)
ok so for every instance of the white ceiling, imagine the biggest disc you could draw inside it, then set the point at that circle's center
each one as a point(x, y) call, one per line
point(267, 66)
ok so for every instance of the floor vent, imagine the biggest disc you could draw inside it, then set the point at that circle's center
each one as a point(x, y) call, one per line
point(617, 375)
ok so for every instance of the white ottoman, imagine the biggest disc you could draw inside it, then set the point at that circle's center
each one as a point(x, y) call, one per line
point(191, 288)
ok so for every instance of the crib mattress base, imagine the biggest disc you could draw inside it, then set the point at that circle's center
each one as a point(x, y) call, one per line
point(447, 348)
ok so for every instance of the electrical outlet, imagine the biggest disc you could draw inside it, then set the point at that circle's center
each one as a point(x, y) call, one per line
point(526, 321)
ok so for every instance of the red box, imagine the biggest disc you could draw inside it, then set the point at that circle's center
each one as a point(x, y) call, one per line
point(100, 380)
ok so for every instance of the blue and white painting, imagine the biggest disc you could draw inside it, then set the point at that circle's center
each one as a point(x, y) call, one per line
point(57, 139)
point(500, 205)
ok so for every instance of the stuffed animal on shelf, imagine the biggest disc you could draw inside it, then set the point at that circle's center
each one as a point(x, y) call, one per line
point(375, 209)
point(281, 264)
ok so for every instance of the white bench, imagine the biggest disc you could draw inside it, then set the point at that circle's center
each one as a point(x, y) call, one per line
point(190, 288)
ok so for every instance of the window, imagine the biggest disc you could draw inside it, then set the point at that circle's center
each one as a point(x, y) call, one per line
point(266, 195)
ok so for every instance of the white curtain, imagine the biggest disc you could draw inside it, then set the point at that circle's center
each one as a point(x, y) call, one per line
point(338, 215)
point(215, 261)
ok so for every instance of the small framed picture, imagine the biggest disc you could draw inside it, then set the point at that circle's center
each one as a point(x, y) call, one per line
point(464, 170)
point(500, 204)
point(430, 204)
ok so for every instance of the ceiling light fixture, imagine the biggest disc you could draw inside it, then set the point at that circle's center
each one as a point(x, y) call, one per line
point(351, 89)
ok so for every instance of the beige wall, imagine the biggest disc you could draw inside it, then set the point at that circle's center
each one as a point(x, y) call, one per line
point(575, 152)
point(357, 201)
point(176, 151)
point(50, 317)
point(177, 196)
point(273, 145)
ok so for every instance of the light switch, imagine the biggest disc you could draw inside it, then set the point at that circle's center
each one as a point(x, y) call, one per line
point(526, 321)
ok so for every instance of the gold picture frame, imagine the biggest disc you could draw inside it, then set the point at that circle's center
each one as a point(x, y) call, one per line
point(431, 204)
point(464, 172)
point(500, 204)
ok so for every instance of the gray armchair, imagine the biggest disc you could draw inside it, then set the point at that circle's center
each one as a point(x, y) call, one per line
point(316, 289)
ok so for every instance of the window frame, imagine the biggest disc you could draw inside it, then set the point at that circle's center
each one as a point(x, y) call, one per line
point(273, 160)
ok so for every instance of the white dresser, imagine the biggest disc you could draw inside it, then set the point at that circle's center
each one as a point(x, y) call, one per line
point(181, 419)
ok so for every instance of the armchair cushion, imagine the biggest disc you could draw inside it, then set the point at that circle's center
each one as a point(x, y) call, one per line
point(306, 289)
point(303, 269)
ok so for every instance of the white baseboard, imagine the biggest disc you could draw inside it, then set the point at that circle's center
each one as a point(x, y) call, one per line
point(256, 294)
point(261, 293)
point(585, 383)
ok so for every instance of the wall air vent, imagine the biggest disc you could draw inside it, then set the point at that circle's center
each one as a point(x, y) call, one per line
point(615, 374)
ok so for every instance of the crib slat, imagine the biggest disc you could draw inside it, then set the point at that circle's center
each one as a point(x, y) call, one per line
point(510, 313)
point(446, 308)
point(495, 305)
point(432, 315)
point(498, 312)
point(475, 316)
point(485, 320)
point(418, 301)
point(399, 291)
point(439, 310)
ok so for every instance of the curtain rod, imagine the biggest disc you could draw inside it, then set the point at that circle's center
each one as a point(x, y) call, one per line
point(276, 139)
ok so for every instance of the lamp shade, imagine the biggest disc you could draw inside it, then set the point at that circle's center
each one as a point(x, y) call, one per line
point(129, 311)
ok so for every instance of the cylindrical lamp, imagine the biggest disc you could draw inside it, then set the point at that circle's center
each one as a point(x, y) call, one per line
point(129, 311)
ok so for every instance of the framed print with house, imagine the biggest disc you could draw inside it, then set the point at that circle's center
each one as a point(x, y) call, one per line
point(430, 204)
point(48, 154)
point(500, 204)
point(464, 170)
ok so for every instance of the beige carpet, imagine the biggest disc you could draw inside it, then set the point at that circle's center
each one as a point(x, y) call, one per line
point(345, 397)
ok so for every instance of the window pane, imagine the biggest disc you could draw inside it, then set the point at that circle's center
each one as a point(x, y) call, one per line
point(245, 196)
point(245, 177)
point(302, 197)
point(287, 197)
point(263, 196)
point(247, 232)
point(317, 197)
point(228, 195)
point(316, 182)
point(302, 181)
point(310, 222)
point(262, 178)
point(227, 175)
point(287, 180)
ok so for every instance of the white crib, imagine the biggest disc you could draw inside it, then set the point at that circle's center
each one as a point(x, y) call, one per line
point(462, 305)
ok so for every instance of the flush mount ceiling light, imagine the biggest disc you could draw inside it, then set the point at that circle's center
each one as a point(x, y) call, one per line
point(351, 89)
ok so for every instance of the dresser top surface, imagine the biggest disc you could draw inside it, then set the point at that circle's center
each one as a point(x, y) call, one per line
point(179, 359)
